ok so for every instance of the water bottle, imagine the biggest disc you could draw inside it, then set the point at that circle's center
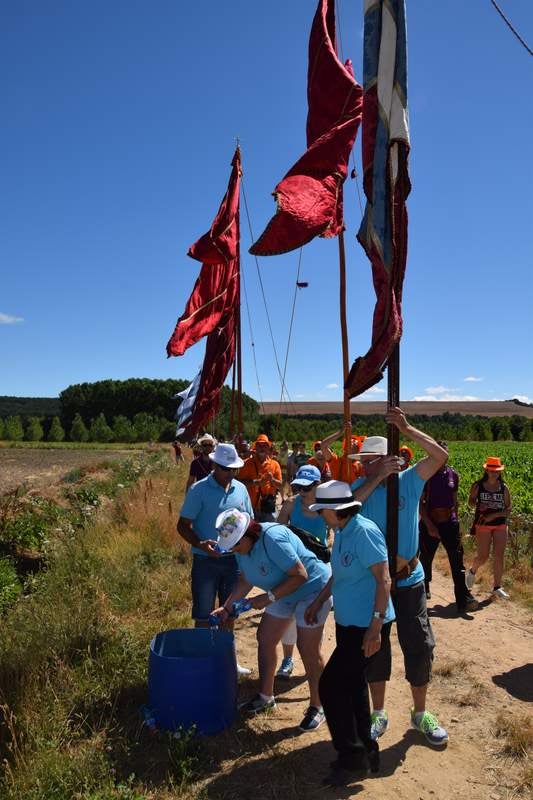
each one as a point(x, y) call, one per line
point(240, 606)
point(218, 549)
point(148, 719)
point(213, 620)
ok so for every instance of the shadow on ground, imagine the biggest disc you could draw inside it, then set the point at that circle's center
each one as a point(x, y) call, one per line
point(518, 682)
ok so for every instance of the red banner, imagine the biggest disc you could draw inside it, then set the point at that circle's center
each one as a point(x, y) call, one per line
point(309, 198)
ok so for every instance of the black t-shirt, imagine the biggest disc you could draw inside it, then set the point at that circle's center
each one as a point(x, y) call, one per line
point(199, 470)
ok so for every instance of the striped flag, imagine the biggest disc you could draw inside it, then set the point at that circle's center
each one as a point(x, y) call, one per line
point(185, 407)
point(385, 138)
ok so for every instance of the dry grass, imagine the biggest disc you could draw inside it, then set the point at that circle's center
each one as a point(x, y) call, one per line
point(451, 668)
point(516, 734)
point(473, 695)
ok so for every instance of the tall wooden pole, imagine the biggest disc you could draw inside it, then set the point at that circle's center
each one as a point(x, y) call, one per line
point(232, 411)
point(345, 470)
point(393, 436)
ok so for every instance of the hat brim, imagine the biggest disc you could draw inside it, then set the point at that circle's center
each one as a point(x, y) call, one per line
point(358, 456)
point(302, 482)
point(490, 468)
point(234, 465)
point(334, 506)
point(230, 541)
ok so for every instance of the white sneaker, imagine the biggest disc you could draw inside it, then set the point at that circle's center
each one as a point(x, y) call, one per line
point(242, 672)
point(470, 579)
point(499, 592)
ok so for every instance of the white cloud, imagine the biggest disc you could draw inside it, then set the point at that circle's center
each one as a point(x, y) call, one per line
point(522, 397)
point(332, 386)
point(439, 389)
point(9, 319)
point(472, 379)
point(452, 398)
point(374, 390)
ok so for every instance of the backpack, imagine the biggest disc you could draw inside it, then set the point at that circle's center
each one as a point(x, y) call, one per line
point(310, 542)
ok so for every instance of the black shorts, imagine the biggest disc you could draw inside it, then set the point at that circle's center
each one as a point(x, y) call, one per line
point(414, 635)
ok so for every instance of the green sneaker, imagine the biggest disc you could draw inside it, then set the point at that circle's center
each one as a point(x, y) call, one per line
point(428, 724)
point(379, 722)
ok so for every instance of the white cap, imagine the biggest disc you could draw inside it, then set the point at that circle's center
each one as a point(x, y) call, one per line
point(225, 455)
point(372, 446)
point(335, 495)
point(231, 525)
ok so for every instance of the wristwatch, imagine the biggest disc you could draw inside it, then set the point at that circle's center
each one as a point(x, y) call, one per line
point(378, 615)
point(271, 596)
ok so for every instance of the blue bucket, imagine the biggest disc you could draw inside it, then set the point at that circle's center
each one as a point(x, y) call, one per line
point(192, 679)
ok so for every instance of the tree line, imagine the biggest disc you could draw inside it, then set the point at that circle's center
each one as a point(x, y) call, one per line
point(134, 410)
point(142, 409)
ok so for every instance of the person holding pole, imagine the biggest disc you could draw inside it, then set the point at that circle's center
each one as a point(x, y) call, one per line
point(409, 597)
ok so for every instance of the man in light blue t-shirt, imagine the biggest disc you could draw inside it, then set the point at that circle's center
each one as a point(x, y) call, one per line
point(414, 629)
point(212, 574)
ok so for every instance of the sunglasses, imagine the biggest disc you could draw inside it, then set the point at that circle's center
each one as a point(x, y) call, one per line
point(300, 488)
point(226, 469)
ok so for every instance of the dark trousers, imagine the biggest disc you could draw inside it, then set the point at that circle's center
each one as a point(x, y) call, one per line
point(343, 693)
point(450, 536)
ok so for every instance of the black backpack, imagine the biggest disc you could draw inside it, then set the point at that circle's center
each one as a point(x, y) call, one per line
point(310, 542)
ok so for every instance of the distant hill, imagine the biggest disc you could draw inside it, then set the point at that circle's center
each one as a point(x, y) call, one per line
point(29, 406)
point(481, 408)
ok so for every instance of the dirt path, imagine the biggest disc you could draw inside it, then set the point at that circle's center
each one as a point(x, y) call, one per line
point(483, 666)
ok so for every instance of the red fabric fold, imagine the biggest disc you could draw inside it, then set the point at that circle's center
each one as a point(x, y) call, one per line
point(309, 198)
point(217, 285)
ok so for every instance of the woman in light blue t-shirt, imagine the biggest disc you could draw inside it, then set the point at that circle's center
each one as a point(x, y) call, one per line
point(273, 558)
point(363, 610)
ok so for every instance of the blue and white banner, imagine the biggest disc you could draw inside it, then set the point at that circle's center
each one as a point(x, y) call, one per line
point(186, 406)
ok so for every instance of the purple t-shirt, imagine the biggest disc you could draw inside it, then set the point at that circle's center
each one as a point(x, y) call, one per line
point(199, 469)
point(440, 490)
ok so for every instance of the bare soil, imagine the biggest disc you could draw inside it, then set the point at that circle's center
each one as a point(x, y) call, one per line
point(483, 666)
point(37, 469)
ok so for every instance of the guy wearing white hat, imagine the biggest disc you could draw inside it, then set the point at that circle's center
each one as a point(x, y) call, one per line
point(213, 574)
point(201, 466)
point(414, 629)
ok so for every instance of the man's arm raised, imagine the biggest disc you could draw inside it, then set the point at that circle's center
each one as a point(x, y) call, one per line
point(436, 455)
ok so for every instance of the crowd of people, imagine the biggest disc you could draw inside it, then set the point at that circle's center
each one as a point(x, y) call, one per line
point(249, 513)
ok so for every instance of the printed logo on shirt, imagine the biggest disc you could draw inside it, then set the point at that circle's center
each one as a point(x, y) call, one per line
point(346, 559)
point(264, 569)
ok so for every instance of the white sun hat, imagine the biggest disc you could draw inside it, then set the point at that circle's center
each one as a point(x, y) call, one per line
point(225, 455)
point(231, 525)
point(335, 495)
point(206, 438)
point(372, 446)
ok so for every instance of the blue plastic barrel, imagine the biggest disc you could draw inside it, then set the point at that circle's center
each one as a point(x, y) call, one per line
point(192, 679)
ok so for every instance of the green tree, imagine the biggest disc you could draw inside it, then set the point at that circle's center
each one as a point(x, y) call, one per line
point(123, 430)
point(34, 430)
point(147, 427)
point(78, 431)
point(14, 432)
point(2, 429)
point(100, 430)
point(56, 432)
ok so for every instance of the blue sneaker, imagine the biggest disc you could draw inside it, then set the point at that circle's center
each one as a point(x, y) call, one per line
point(286, 668)
point(379, 722)
point(428, 724)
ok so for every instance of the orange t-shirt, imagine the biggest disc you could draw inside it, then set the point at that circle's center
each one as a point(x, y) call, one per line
point(253, 469)
point(336, 467)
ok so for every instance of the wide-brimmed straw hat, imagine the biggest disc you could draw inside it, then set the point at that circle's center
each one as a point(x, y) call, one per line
point(231, 525)
point(225, 455)
point(372, 446)
point(493, 464)
point(335, 495)
point(206, 438)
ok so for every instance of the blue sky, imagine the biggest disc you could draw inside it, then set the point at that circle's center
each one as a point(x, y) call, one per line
point(119, 124)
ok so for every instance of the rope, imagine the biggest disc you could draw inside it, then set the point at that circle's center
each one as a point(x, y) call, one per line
point(289, 339)
point(264, 297)
point(509, 25)
point(251, 338)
